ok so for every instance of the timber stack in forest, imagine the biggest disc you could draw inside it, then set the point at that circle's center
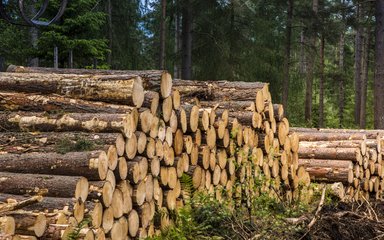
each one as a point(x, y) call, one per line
point(353, 157)
point(110, 154)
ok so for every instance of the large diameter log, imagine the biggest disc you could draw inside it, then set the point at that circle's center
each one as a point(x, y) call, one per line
point(69, 164)
point(155, 80)
point(32, 184)
point(122, 89)
point(87, 122)
point(14, 101)
point(23, 142)
point(219, 90)
point(49, 204)
point(330, 174)
point(329, 153)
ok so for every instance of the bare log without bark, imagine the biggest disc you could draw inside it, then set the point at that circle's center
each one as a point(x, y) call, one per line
point(122, 89)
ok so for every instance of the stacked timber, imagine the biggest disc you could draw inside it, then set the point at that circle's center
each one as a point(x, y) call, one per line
point(353, 157)
point(147, 156)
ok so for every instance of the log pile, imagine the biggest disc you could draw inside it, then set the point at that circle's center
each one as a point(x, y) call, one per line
point(117, 151)
point(353, 157)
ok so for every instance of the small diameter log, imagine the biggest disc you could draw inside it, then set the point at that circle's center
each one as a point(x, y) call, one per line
point(15, 101)
point(151, 101)
point(192, 117)
point(32, 184)
point(86, 122)
point(29, 224)
point(127, 90)
point(329, 153)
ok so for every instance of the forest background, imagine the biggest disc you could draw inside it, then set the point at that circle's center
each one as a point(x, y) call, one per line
point(322, 58)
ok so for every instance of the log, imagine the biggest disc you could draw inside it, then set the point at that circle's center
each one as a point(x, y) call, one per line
point(46, 204)
point(371, 134)
point(123, 89)
point(16, 101)
point(29, 224)
point(32, 184)
point(320, 136)
point(86, 122)
point(219, 90)
point(155, 80)
point(69, 164)
point(329, 153)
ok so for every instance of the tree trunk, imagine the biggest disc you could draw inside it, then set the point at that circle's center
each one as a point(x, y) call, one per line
point(176, 66)
point(116, 89)
point(47, 204)
point(328, 153)
point(68, 164)
point(379, 67)
point(186, 61)
point(32, 184)
point(110, 32)
point(87, 122)
point(364, 77)
point(341, 79)
point(310, 69)
point(287, 59)
point(162, 34)
point(321, 100)
point(358, 61)
point(220, 90)
point(15, 101)
point(154, 80)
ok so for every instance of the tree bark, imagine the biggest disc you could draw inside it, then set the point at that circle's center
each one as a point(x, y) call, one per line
point(68, 164)
point(287, 59)
point(123, 89)
point(186, 60)
point(379, 67)
point(327, 170)
point(110, 32)
point(220, 90)
point(162, 34)
point(358, 57)
point(154, 80)
point(328, 153)
point(23, 142)
point(87, 122)
point(310, 69)
point(32, 184)
point(321, 98)
point(341, 78)
point(47, 204)
point(364, 77)
point(16, 101)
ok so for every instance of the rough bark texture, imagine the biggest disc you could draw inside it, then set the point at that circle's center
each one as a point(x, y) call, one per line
point(358, 57)
point(68, 164)
point(288, 33)
point(15, 101)
point(87, 122)
point(32, 184)
point(328, 153)
point(378, 88)
point(219, 90)
point(186, 47)
point(47, 203)
point(24, 142)
point(125, 89)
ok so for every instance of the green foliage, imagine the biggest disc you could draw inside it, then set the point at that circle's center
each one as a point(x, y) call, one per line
point(75, 234)
point(78, 31)
point(66, 145)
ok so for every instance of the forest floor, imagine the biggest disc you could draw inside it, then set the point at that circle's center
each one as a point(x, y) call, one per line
point(270, 219)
